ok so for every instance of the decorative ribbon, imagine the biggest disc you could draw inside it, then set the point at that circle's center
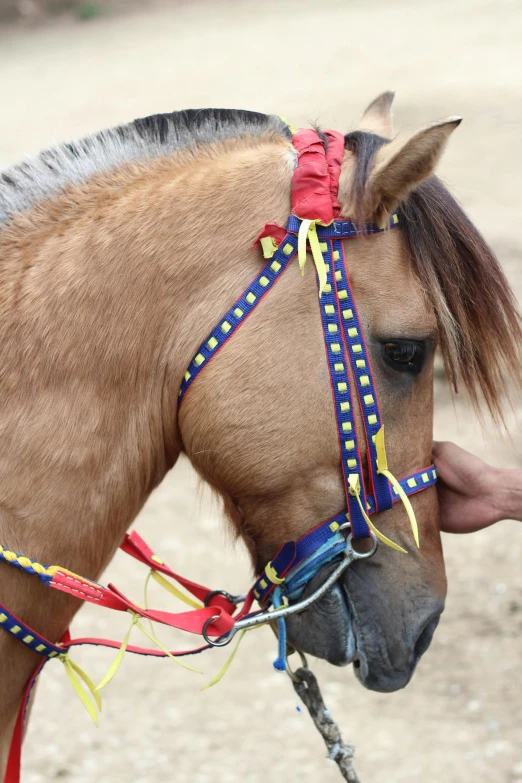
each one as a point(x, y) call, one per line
point(308, 231)
point(75, 674)
point(382, 467)
point(115, 665)
point(174, 590)
point(221, 673)
point(354, 487)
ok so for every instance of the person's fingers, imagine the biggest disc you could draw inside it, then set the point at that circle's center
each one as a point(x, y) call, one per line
point(437, 447)
point(444, 451)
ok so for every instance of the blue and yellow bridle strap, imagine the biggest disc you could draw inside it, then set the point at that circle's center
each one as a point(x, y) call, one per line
point(347, 357)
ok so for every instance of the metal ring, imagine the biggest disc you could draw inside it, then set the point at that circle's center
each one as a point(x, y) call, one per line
point(362, 555)
point(222, 642)
point(234, 599)
point(304, 665)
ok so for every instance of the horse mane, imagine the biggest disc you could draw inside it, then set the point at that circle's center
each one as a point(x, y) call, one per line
point(72, 163)
point(480, 328)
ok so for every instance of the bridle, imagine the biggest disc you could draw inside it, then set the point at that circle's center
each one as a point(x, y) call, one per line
point(286, 576)
point(314, 223)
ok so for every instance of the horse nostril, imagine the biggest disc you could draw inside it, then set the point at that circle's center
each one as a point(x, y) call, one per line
point(423, 642)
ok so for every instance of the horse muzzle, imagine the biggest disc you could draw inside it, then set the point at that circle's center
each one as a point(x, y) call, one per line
point(326, 629)
point(352, 624)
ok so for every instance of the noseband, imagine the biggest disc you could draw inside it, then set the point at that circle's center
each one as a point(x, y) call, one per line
point(315, 225)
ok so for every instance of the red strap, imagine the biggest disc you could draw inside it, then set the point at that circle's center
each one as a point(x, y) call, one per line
point(82, 589)
point(191, 621)
point(132, 648)
point(12, 772)
point(316, 178)
point(271, 230)
point(134, 545)
point(112, 598)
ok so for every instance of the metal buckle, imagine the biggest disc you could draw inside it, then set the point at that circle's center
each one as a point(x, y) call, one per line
point(233, 599)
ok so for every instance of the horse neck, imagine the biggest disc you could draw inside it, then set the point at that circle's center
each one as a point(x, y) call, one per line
point(106, 294)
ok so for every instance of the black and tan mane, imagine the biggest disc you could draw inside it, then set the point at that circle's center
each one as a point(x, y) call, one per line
point(72, 163)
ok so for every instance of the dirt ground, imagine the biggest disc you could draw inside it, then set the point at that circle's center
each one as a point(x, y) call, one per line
point(460, 719)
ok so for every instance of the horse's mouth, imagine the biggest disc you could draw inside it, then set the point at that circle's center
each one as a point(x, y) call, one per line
point(384, 656)
point(327, 629)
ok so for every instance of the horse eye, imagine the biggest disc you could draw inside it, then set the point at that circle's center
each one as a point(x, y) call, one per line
point(405, 355)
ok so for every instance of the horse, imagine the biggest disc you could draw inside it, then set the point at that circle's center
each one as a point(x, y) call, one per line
point(119, 253)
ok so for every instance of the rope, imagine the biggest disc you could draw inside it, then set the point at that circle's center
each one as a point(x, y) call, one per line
point(280, 662)
point(307, 688)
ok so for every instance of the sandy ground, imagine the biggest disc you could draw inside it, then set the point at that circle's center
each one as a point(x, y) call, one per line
point(460, 719)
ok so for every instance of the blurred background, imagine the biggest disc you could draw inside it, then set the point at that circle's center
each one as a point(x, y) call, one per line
point(68, 68)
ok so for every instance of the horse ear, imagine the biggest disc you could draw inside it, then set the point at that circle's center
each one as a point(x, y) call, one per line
point(403, 164)
point(377, 117)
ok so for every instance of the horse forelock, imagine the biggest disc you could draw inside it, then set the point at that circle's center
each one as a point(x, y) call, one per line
point(50, 172)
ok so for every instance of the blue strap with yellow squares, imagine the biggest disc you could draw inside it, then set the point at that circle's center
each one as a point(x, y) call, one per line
point(239, 311)
point(22, 632)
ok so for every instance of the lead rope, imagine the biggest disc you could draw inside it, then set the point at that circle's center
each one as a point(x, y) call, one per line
point(307, 688)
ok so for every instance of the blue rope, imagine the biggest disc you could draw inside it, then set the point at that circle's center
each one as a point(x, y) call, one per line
point(299, 577)
point(296, 582)
point(280, 661)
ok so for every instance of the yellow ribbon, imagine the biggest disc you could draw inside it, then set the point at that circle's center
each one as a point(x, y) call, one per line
point(382, 467)
point(75, 674)
point(291, 128)
point(308, 231)
point(160, 579)
point(164, 649)
point(145, 595)
point(355, 490)
point(115, 665)
point(197, 605)
point(170, 588)
point(221, 673)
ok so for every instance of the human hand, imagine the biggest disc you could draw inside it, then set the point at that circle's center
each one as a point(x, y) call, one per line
point(472, 494)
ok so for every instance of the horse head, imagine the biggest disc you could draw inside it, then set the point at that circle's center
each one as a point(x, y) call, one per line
point(259, 424)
